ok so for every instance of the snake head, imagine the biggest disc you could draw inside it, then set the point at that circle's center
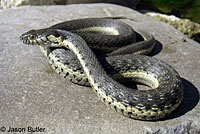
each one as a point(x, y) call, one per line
point(34, 37)
point(50, 37)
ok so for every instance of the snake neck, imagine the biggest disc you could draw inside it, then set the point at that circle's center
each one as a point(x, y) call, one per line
point(88, 60)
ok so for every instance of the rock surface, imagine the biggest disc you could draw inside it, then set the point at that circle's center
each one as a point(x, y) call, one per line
point(32, 94)
point(15, 3)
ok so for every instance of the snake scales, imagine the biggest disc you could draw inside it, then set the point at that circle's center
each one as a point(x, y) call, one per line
point(66, 49)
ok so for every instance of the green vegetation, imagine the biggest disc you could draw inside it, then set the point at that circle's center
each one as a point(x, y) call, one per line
point(193, 13)
point(181, 8)
point(168, 6)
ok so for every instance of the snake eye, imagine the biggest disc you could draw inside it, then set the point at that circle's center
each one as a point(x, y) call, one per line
point(32, 37)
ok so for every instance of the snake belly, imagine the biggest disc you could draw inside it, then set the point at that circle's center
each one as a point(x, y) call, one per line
point(167, 90)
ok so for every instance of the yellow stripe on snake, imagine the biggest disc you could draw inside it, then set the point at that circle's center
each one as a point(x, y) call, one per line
point(68, 45)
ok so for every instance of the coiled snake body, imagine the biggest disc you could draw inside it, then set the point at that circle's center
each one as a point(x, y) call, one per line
point(71, 57)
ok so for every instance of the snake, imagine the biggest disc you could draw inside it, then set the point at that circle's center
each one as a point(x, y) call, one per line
point(103, 53)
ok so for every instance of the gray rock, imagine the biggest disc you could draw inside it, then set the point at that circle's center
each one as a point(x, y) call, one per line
point(129, 3)
point(15, 3)
point(32, 94)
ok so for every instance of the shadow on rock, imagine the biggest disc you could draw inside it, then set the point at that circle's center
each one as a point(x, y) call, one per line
point(190, 100)
point(158, 46)
point(157, 49)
